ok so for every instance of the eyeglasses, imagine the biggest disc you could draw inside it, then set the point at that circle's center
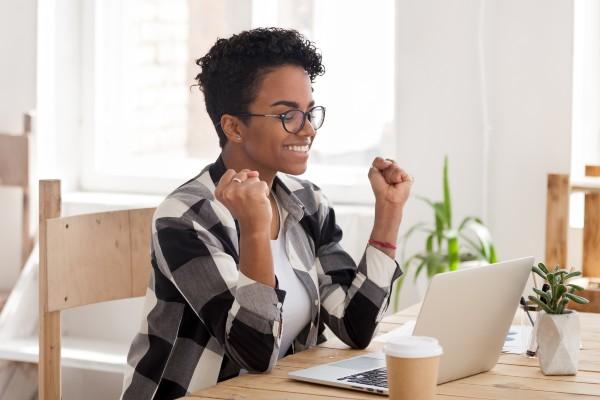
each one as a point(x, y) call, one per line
point(293, 120)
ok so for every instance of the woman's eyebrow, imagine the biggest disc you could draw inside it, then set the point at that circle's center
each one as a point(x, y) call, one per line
point(289, 103)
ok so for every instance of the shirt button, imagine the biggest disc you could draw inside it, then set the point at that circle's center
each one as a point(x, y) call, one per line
point(316, 302)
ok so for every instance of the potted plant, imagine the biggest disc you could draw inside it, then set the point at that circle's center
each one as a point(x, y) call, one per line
point(446, 247)
point(557, 327)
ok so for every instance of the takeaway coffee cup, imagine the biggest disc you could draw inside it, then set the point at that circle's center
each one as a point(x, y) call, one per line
point(412, 367)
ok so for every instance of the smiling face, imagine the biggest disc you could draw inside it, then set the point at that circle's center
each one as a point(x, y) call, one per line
point(264, 144)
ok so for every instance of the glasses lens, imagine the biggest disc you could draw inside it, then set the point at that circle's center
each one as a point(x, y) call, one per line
point(317, 117)
point(293, 121)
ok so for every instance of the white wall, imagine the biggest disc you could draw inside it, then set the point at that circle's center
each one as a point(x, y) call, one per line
point(438, 102)
point(18, 77)
point(17, 96)
point(530, 80)
point(488, 83)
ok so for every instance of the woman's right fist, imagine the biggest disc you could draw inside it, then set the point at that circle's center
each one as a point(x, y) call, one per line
point(247, 198)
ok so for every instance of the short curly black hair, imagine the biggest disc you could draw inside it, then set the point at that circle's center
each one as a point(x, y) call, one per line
point(232, 69)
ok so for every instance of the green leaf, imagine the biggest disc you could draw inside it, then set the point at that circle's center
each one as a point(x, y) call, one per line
point(407, 264)
point(453, 254)
point(539, 272)
point(543, 268)
point(440, 224)
point(438, 208)
point(415, 228)
point(560, 291)
point(418, 227)
point(561, 305)
point(544, 295)
point(434, 263)
point(577, 299)
point(431, 266)
point(439, 217)
point(396, 292)
point(572, 274)
point(493, 258)
point(553, 289)
point(442, 267)
point(474, 246)
point(419, 268)
point(482, 234)
point(541, 305)
point(575, 287)
point(447, 201)
point(450, 234)
point(467, 220)
point(478, 249)
point(429, 243)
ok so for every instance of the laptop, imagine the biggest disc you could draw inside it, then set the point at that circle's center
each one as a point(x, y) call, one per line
point(469, 311)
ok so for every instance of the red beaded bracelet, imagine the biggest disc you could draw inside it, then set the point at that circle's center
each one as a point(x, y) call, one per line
point(385, 245)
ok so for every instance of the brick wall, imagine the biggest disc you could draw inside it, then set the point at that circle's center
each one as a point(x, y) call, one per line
point(155, 70)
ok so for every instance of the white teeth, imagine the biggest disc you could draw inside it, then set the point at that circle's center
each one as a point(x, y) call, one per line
point(299, 149)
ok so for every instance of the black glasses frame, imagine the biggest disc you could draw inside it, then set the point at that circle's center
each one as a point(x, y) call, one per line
point(282, 117)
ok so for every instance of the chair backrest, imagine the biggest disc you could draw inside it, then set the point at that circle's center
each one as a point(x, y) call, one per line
point(85, 259)
point(14, 171)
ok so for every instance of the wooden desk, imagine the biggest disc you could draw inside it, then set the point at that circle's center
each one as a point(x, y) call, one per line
point(515, 377)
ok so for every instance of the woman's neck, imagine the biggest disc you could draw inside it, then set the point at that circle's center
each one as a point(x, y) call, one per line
point(235, 159)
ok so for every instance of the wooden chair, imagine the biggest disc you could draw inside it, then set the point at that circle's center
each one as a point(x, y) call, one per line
point(557, 222)
point(14, 171)
point(84, 259)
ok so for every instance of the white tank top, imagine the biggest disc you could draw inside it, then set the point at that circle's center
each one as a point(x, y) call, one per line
point(296, 306)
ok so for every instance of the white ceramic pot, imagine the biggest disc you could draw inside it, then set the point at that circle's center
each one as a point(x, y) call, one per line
point(558, 340)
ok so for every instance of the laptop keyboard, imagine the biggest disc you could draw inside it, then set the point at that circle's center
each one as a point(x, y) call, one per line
point(374, 377)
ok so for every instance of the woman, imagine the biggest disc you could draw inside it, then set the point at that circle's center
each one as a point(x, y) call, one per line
point(247, 265)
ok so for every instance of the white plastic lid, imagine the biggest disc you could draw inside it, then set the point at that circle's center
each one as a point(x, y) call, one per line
point(413, 347)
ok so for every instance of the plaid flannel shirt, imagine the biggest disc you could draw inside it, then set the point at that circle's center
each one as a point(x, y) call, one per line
point(205, 320)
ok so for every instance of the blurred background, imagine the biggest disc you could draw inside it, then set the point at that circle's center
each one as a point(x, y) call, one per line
point(508, 90)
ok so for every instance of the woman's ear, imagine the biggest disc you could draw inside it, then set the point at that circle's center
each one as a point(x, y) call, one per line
point(231, 128)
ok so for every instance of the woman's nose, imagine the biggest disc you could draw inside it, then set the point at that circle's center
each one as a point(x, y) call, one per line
point(307, 129)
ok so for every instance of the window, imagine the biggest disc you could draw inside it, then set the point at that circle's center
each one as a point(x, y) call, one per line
point(146, 128)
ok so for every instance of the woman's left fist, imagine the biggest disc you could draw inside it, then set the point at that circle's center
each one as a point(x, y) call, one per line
point(390, 183)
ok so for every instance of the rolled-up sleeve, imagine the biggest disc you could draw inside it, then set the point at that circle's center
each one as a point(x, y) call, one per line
point(353, 297)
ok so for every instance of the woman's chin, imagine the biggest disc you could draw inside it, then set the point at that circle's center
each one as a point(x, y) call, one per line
point(298, 169)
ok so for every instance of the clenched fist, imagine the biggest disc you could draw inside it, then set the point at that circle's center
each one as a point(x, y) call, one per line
point(247, 198)
point(390, 183)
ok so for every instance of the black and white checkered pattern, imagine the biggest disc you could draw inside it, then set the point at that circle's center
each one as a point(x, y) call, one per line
point(205, 320)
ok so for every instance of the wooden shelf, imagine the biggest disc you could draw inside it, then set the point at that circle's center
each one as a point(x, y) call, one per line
point(84, 353)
